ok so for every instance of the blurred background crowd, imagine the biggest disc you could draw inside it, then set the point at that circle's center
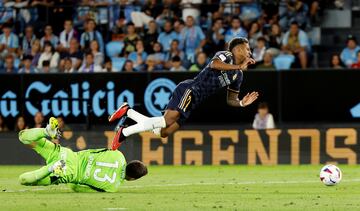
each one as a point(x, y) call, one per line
point(152, 35)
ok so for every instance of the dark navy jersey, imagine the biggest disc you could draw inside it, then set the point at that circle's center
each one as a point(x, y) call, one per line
point(209, 80)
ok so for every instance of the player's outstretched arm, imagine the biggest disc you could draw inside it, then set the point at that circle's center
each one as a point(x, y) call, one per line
point(217, 64)
point(233, 99)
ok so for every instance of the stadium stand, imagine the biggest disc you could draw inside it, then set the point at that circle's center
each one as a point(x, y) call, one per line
point(116, 26)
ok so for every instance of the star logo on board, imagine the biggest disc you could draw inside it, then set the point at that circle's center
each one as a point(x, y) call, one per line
point(157, 95)
point(162, 98)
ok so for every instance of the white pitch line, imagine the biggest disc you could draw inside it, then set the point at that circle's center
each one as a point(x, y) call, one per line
point(115, 208)
point(199, 183)
point(231, 183)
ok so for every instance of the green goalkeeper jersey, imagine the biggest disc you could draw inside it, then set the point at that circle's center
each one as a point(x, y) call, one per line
point(101, 169)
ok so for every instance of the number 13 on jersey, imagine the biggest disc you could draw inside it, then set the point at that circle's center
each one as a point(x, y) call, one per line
point(107, 167)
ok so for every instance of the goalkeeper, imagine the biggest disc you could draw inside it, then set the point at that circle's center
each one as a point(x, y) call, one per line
point(90, 170)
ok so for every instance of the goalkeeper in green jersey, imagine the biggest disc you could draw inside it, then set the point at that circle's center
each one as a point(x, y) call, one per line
point(90, 170)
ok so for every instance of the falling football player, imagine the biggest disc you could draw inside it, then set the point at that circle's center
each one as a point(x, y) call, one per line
point(224, 70)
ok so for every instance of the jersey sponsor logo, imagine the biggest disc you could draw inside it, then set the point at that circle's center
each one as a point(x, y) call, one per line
point(157, 95)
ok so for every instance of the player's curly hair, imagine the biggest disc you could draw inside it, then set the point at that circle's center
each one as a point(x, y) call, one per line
point(136, 169)
point(236, 41)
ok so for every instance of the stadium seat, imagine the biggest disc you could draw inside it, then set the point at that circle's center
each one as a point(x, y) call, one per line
point(283, 61)
point(114, 48)
point(118, 63)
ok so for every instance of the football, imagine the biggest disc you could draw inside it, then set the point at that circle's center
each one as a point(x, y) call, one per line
point(330, 175)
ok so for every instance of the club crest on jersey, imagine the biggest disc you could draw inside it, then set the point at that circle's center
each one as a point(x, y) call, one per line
point(234, 77)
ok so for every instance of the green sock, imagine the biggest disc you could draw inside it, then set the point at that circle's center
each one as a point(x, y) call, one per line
point(29, 136)
point(37, 177)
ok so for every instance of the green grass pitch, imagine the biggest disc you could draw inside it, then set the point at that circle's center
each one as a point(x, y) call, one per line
point(195, 188)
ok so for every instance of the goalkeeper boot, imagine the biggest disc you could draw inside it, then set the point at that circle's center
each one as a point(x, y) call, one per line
point(118, 139)
point(52, 128)
point(120, 112)
point(58, 168)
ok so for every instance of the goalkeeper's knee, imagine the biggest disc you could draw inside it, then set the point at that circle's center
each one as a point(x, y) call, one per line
point(22, 139)
point(23, 180)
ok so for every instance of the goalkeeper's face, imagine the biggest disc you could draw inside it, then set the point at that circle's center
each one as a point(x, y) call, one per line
point(135, 169)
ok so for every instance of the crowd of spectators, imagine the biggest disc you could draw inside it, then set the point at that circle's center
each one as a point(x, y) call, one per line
point(42, 36)
point(38, 122)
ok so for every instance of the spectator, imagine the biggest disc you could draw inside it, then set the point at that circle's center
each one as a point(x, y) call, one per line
point(49, 37)
point(190, 7)
point(27, 65)
point(348, 55)
point(293, 10)
point(215, 37)
point(174, 51)
point(263, 119)
point(167, 36)
point(39, 120)
point(192, 39)
point(107, 66)
point(98, 56)
point(179, 25)
point(254, 33)
point(275, 36)
point(3, 127)
point(9, 42)
point(9, 65)
point(83, 13)
point(267, 64)
point(131, 39)
point(28, 40)
point(158, 56)
point(151, 10)
point(357, 64)
point(35, 52)
point(49, 54)
point(336, 63)
point(45, 67)
point(62, 125)
point(68, 66)
point(89, 65)
point(236, 30)
point(259, 50)
point(176, 65)
point(296, 42)
point(151, 64)
point(139, 56)
point(20, 124)
point(200, 62)
point(6, 14)
point(168, 13)
point(74, 54)
point(66, 35)
point(151, 36)
point(118, 31)
point(91, 34)
point(128, 66)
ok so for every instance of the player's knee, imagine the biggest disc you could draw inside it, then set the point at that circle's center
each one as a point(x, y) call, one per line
point(21, 139)
point(22, 180)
